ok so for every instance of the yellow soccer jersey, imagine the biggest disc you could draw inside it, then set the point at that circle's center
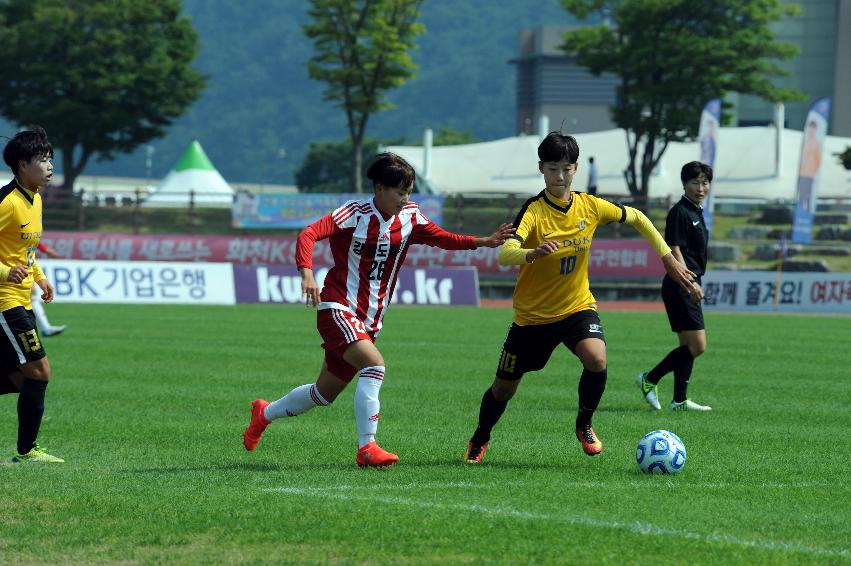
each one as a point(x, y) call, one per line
point(20, 233)
point(555, 286)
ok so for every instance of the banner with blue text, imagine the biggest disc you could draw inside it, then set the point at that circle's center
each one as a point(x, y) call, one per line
point(267, 210)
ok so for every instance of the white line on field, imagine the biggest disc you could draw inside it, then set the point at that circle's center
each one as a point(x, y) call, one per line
point(633, 527)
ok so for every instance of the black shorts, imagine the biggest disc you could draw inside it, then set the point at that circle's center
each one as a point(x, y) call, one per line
point(683, 313)
point(528, 348)
point(19, 339)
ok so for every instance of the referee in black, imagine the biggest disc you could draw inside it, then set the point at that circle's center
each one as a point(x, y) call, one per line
point(685, 232)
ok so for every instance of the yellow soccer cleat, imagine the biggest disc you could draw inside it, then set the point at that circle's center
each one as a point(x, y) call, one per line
point(36, 455)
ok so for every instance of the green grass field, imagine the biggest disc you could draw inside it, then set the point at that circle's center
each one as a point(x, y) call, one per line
point(148, 405)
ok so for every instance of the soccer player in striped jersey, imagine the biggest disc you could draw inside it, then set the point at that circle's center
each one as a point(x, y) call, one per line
point(25, 369)
point(553, 303)
point(369, 239)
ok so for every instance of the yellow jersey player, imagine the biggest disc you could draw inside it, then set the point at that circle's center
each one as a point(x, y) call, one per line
point(553, 303)
point(25, 368)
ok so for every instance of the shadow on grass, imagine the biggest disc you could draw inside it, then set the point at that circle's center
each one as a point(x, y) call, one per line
point(442, 464)
point(224, 467)
point(632, 408)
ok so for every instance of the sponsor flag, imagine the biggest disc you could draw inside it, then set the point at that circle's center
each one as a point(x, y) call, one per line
point(812, 148)
point(707, 137)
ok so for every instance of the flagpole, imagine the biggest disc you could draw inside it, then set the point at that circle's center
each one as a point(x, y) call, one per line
point(781, 255)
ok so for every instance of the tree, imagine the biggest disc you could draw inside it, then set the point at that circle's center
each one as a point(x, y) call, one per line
point(450, 136)
point(101, 76)
point(673, 56)
point(845, 157)
point(361, 51)
point(320, 171)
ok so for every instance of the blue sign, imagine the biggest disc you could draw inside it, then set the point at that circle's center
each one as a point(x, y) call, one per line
point(266, 210)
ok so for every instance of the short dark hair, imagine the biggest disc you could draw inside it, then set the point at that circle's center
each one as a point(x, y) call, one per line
point(693, 170)
point(557, 146)
point(25, 145)
point(390, 170)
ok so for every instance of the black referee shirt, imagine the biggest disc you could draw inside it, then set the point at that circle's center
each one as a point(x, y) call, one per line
point(685, 228)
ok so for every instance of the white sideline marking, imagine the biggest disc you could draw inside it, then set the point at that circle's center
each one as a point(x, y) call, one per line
point(633, 527)
point(708, 485)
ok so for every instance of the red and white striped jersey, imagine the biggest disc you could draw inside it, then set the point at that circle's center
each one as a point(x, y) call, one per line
point(368, 251)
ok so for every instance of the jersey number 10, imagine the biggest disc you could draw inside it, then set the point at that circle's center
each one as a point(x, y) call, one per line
point(567, 265)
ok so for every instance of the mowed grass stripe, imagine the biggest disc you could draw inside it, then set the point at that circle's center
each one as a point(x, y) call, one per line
point(148, 405)
point(637, 527)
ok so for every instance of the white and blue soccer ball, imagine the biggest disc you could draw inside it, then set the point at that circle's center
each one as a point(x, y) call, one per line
point(661, 452)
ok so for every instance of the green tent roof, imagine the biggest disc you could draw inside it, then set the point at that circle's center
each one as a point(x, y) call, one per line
point(194, 158)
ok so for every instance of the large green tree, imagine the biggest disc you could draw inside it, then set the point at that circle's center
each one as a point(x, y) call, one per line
point(320, 171)
point(673, 56)
point(101, 76)
point(362, 51)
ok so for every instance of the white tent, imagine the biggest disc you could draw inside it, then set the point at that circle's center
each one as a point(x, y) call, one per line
point(193, 175)
point(744, 166)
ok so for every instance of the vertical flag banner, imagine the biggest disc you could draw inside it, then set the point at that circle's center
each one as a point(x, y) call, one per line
point(707, 138)
point(815, 130)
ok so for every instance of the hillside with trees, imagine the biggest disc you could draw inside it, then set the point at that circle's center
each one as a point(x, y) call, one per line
point(260, 111)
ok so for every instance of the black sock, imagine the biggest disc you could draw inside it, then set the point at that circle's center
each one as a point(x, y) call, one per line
point(6, 385)
point(682, 373)
point(672, 361)
point(30, 411)
point(489, 414)
point(591, 387)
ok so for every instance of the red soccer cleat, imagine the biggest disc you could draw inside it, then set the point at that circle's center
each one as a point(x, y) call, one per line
point(475, 452)
point(255, 428)
point(591, 445)
point(374, 456)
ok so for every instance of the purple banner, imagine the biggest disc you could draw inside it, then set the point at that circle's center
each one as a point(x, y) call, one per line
point(432, 286)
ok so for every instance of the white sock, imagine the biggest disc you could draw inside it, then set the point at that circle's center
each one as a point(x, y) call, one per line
point(40, 315)
point(366, 403)
point(298, 401)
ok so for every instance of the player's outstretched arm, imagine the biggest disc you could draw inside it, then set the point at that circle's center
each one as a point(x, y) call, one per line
point(512, 254)
point(675, 269)
point(496, 239)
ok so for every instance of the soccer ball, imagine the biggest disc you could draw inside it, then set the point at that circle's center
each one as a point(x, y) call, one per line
point(661, 452)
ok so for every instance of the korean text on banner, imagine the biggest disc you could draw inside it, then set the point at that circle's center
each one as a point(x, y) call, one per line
point(140, 282)
point(796, 292)
point(622, 258)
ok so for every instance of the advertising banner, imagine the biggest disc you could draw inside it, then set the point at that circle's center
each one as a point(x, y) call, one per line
point(282, 284)
point(796, 292)
point(707, 137)
point(812, 147)
point(609, 258)
point(265, 210)
point(140, 282)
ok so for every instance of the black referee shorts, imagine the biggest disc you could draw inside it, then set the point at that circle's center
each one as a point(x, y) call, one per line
point(683, 313)
point(528, 348)
point(19, 340)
